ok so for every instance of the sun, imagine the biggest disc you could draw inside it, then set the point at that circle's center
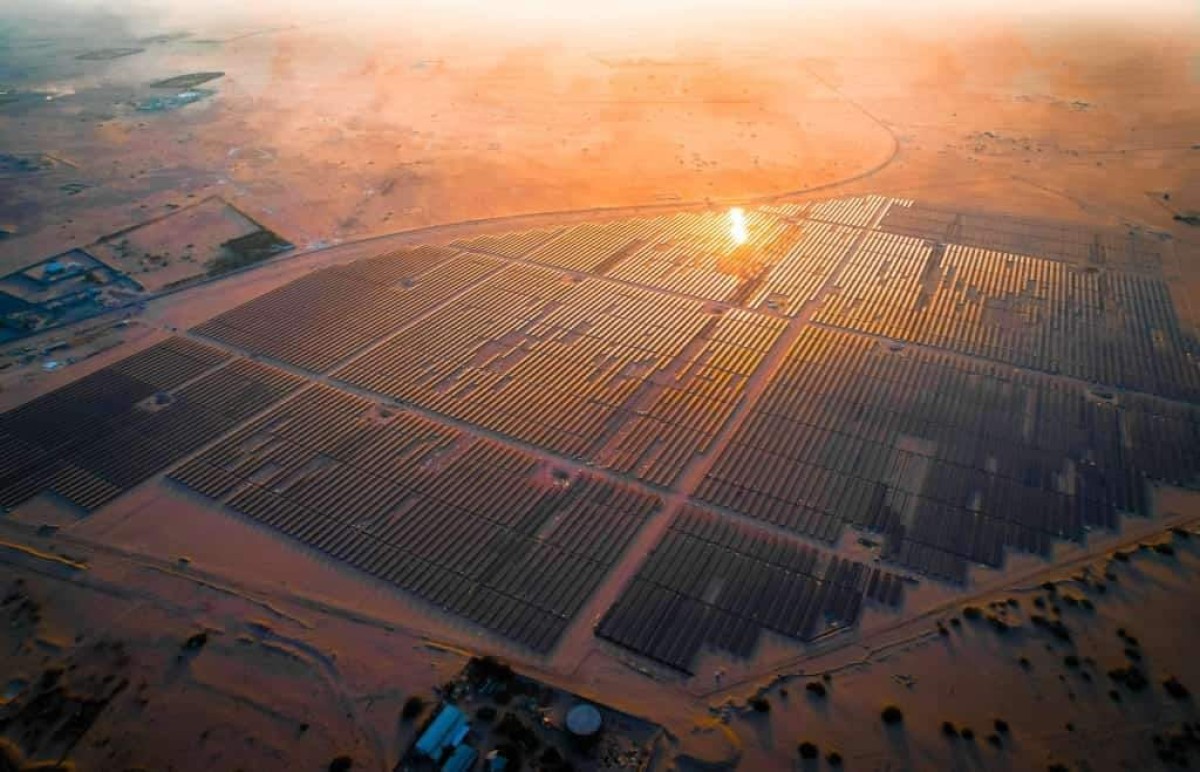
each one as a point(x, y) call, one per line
point(737, 225)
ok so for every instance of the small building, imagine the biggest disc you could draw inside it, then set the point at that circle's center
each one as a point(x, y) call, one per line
point(443, 732)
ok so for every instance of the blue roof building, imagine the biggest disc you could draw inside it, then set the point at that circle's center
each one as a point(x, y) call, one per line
point(462, 760)
point(442, 732)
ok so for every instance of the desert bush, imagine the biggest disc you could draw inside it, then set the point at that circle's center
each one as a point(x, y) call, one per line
point(412, 708)
point(1176, 689)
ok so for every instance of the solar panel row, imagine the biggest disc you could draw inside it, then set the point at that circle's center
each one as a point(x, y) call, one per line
point(483, 531)
point(954, 459)
point(320, 319)
point(711, 582)
point(109, 431)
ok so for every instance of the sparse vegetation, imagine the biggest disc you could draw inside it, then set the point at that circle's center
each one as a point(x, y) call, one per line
point(1130, 677)
point(551, 759)
point(808, 750)
point(412, 708)
point(483, 669)
point(341, 764)
point(815, 688)
point(246, 250)
point(760, 704)
point(196, 642)
point(514, 729)
point(949, 730)
point(967, 733)
point(1001, 726)
point(892, 715)
point(1054, 626)
point(1176, 689)
point(833, 759)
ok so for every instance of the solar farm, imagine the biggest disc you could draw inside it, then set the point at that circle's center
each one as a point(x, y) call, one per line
point(490, 426)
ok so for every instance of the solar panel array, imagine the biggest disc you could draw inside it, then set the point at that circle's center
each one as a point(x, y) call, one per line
point(695, 254)
point(860, 211)
point(692, 253)
point(631, 345)
point(712, 582)
point(678, 416)
point(513, 244)
point(320, 319)
point(798, 275)
point(1067, 242)
point(481, 530)
point(586, 368)
point(1109, 327)
point(953, 458)
point(92, 440)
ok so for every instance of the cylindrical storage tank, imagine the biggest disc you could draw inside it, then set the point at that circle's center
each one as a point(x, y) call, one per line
point(583, 720)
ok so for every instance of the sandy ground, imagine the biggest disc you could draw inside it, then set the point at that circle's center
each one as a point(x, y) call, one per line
point(301, 663)
point(328, 130)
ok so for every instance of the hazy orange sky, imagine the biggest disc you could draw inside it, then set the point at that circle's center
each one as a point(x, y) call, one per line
point(652, 19)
